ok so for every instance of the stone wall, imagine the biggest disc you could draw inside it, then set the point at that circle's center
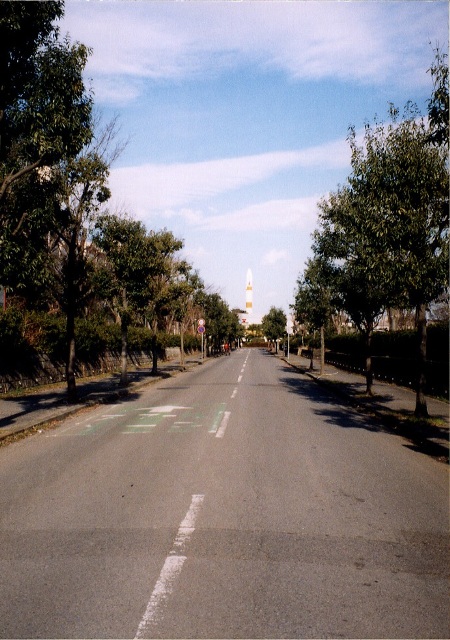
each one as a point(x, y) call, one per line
point(41, 370)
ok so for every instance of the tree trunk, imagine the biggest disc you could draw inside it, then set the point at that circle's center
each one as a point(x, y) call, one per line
point(368, 359)
point(392, 319)
point(124, 337)
point(154, 354)
point(181, 345)
point(322, 349)
point(70, 362)
point(124, 354)
point(70, 322)
point(421, 410)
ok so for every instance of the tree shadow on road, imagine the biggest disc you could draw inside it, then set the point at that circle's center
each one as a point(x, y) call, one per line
point(344, 406)
point(330, 406)
point(42, 404)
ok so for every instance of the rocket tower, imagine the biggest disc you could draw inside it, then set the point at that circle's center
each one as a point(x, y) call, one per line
point(249, 293)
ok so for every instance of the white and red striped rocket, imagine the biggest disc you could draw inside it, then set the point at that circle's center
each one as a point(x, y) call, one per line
point(249, 293)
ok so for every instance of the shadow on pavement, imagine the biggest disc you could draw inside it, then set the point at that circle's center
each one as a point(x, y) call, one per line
point(333, 406)
point(41, 403)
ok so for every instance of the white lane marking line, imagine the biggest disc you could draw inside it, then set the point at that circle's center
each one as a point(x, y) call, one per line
point(233, 395)
point(141, 426)
point(163, 589)
point(223, 425)
point(187, 526)
point(239, 379)
point(171, 569)
point(242, 370)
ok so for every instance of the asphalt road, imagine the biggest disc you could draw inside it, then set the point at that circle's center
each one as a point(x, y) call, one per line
point(238, 500)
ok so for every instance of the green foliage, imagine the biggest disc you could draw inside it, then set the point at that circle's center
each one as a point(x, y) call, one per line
point(49, 334)
point(12, 342)
point(23, 333)
point(274, 323)
point(438, 104)
point(45, 111)
point(222, 325)
point(313, 304)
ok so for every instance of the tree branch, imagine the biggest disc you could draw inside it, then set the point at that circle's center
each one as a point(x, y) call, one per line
point(13, 177)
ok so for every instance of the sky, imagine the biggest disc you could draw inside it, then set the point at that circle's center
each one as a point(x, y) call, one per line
point(236, 115)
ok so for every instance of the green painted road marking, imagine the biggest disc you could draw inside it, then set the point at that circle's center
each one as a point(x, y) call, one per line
point(217, 418)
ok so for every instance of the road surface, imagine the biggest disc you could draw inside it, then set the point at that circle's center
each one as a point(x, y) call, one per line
point(238, 500)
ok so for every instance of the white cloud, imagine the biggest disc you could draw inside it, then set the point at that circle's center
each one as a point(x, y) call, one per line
point(362, 41)
point(273, 215)
point(162, 188)
point(274, 256)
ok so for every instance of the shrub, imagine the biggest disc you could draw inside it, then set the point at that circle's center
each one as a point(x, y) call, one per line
point(12, 341)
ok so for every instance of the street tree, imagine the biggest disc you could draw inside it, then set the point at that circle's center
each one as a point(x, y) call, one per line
point(218, 320)
point(45, 110)
point(438, 104)
point(122, 272)
point(349, 248)
point(274, 325)
point(313, 305)
point(45, 117)
point(82, 193)
point(403, 181)
point(185, 290)
point(163, 267)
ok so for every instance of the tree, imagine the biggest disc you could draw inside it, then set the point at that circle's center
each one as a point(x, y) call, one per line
point(123, 273)
point(45, 110)
point(185, 289)
point(403, 179)
point(82, 194)
point(221, 323)
point(438, 104)
point(45, 117)
point(350, 250)
point(313, 300)
point(274, 325)
point(162, 249)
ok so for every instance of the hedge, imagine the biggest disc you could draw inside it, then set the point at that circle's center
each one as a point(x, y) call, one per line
point(25, 333)
point(396, 344)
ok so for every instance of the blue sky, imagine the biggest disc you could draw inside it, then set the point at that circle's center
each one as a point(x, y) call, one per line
point(237, 115)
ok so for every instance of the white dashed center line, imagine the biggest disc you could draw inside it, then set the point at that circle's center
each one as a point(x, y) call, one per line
point(171, 570)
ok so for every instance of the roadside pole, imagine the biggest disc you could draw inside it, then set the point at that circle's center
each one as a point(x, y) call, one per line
point(201, 330)
point(289, 326)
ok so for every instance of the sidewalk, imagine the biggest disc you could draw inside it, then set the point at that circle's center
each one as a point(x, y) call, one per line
point(394, 405)
point(42, 405)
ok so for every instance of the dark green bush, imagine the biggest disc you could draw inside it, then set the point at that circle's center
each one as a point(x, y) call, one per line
point(23, 333)
point(90, 340)
point(12, 341)
point(395, 344)
point(51, 339)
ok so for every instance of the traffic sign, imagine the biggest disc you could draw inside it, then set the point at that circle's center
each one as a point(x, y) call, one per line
point(201, 322)
point(201, 329)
